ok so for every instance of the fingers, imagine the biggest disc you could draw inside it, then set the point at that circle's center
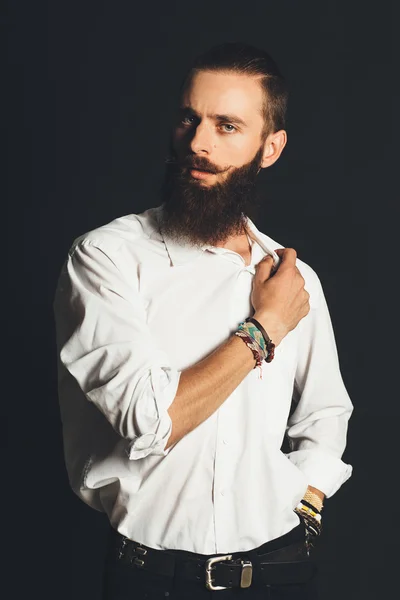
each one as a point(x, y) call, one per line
point(307, 306)
point(300, 275)
point(287, 256)
point(264, 267)
point(267, 259)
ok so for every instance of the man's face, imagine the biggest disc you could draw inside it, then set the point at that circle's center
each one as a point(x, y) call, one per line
point(216, 151)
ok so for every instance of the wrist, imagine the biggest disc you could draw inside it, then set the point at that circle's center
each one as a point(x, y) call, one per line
point(273, 329)
point(315, 497)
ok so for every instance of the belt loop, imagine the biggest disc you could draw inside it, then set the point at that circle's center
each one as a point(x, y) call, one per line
point(139, 562)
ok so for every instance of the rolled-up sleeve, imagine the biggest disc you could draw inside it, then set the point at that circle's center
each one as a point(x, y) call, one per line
point(107, 346)
point(317, 428)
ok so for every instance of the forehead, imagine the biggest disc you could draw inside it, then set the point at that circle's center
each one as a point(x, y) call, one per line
point(217, 92)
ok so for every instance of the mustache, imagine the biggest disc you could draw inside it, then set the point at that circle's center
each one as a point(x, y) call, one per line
point(192, 164)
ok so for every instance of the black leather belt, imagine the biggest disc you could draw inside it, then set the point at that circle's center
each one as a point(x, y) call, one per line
point(290, 564)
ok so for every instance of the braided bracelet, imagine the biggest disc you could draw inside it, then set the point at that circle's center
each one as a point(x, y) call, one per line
point(258, 352)
point(253, 337)
point(270, 346)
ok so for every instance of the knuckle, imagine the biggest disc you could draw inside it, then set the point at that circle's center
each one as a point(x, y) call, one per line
point(299, 273)
point(290, 253)
point(265, 260)
point(301, 279)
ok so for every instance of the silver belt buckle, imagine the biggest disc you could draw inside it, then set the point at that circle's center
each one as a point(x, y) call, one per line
point(245, 579)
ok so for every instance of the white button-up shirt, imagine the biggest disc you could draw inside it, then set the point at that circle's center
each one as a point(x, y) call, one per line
point(133, 309)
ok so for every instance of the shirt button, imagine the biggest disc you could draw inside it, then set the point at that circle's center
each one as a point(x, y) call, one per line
point(222, 493)
point(224, 442)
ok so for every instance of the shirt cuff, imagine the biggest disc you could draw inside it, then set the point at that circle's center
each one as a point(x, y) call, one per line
point(325, 472)
point(164, 383)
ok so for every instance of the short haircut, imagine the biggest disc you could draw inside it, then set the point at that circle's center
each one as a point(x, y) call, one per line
point(242, 58)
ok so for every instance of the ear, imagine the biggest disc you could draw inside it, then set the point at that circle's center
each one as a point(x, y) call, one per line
point(273, 146)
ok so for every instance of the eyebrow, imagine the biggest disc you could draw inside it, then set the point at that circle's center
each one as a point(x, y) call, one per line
point(220, 118)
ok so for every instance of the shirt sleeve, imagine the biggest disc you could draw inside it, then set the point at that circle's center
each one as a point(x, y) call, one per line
point(317, 428)
point(108, 348)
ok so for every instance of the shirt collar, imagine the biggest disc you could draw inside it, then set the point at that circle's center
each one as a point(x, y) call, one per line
point(181, 253)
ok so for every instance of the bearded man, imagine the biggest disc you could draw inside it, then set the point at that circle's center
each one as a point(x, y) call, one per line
point(190, 346)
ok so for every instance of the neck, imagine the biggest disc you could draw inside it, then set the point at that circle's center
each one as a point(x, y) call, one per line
point(238, 243)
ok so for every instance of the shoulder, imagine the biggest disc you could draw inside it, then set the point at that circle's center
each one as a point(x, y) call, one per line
point(133, 229)
point(312, 282)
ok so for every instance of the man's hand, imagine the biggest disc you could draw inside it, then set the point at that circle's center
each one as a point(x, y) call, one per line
point(281, 301)
point(311, 519)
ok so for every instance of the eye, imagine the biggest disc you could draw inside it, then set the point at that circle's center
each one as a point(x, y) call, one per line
point(228, 125)
point(185, 119)
point(188, 120)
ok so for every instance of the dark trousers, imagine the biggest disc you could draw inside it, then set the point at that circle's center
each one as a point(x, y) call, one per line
point(124, 582)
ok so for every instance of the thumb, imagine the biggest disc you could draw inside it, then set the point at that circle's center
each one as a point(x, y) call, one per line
point(265, 265)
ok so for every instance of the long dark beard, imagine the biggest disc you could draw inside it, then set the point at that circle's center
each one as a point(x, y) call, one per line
point(197, 214)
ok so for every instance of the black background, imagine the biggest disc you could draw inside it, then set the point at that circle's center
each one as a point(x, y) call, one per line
point(94, 86)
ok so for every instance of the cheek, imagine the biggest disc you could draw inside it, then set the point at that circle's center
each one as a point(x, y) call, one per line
point(176, 140)
point(180, 139)
point(238, 149)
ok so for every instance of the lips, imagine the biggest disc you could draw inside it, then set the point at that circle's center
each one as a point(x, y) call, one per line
point(199, 174)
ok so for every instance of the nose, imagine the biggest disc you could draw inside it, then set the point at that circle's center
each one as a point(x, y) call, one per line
point(202, 140)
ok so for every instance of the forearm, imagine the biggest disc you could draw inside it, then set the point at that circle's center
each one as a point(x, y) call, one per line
point(207, 384)
point(280, 303)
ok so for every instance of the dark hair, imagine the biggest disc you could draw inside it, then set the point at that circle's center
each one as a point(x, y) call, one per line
point(242, 58)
